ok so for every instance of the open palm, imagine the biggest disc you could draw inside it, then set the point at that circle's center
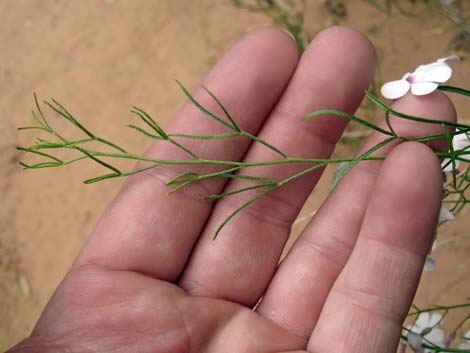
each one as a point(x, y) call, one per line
point(151, 279)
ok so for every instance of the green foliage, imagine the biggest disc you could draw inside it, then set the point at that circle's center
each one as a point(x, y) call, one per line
point(43, 147)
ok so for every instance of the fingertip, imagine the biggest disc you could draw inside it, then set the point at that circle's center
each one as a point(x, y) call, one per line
point(416, 161)
point(342, 60)
point(351, 40)
point(272, 38)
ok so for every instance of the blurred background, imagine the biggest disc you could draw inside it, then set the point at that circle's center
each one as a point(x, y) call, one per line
point(98, 57)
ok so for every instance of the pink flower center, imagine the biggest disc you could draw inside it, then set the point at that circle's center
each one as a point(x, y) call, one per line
point(410, 79)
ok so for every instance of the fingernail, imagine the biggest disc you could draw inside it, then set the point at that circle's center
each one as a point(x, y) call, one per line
point(289, 33)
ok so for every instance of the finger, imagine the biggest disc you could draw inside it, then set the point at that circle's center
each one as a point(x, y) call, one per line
point(369, 301)
point(147, 231)
point(298, 291)
point(333, 73)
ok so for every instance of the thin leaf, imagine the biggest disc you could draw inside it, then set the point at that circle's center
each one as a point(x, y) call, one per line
point(248, 177)
point(202, 109)
point(267, 144)
point(65, 113)
point(453, 89)
point(110, 144)
point(452, 153)
point(99, 161)
point(149, 121)
point(351, 164)
point(347, 116)
point(179, 187)
point(207, 137)
point(40, 165)
point(30, 150)
point(31, 128)
point(148, 134)
point(385, 107)
point(225, 194)
point(235, 126)
point(36, 102)
point(182, 177)
point(135, 171)
point(181, 147)
point(101, 177)
point(246, 204)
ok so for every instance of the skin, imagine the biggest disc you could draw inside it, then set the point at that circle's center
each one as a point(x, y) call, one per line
point(150, 279)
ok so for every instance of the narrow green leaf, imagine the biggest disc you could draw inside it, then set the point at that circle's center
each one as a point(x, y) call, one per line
point(110, 144)
point(135, 171)
point(31, 150)
point(301, 173)
point(202, 109)
point(179, 187)
point(235, 126)
point(248, 177)
point(99, 161)
point(450, 144)
point(181, 147)
point(358, 159)
point(45, 165)
point(31, 128)
point(347, 116)
point(225, 194)
point(222, 173)
point(65, 114)
point(148, 134)
point(44, 120)
point(182, 177)
point(453, 89)
point(385, 107)
point(101, 177)
point(149, 121)
point(246, 204)
point(207, 137)
point(263, 142)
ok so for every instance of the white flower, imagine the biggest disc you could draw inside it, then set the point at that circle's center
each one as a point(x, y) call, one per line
point(425, 322)
point(459, 142)
point(465, 344)
point(445, 215)
point(424, 80)
point(415, 341)
point(430, 264)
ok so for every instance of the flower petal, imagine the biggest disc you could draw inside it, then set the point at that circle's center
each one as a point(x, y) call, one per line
point(423, 320)
point(453, 58)
point(434, 320)
point(435, 72)
point(447, 165)
point(464, 345)
point(460, 141)
point(416, 342)
point(430, 264)
point(423, 88)
point(436, 336)
point(405, 76)
point(395, 89)
point(445, 215)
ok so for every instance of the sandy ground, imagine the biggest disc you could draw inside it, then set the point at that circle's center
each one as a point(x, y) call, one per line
point(99, 57)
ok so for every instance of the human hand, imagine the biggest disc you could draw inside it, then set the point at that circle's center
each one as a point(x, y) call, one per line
point(150, 278)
